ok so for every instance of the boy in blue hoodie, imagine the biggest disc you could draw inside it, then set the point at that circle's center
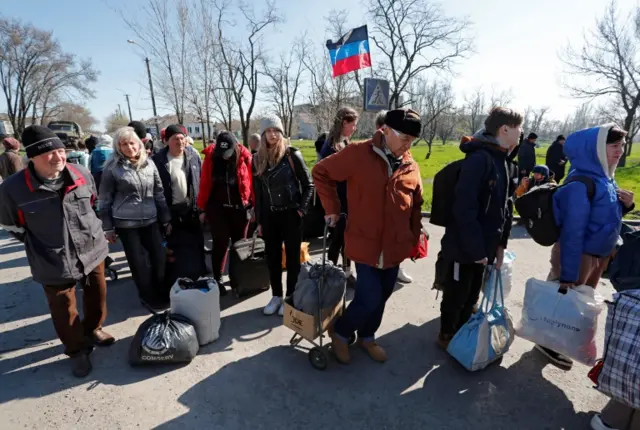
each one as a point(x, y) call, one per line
point(589, 229)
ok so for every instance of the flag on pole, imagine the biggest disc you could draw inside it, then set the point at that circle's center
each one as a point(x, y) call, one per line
point(350, 52)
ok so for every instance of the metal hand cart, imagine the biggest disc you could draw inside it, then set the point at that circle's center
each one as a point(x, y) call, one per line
point(323, 319)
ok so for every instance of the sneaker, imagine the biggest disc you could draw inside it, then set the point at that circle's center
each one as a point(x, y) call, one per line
point(273, 306)
point(556, 358)
point(81, 365)
point(374, 350)
point(598, 424)
point(444, 340)
point(340, 349)
point(404, 277)
point(281, 310)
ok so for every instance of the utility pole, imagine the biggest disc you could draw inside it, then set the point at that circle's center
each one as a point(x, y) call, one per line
point(153, 99)
point(119, 110)
point(129, 106)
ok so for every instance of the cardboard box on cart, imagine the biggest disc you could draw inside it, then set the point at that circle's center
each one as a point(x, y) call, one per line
point(307, 325)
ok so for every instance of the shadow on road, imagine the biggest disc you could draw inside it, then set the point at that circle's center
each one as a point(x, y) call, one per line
point(419, 388)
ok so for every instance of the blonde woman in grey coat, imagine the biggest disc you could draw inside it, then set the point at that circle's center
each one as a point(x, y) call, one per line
point(132, 207)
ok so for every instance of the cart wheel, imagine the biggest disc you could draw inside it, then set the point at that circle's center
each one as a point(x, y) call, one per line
point(318, 358)
point(352, 339)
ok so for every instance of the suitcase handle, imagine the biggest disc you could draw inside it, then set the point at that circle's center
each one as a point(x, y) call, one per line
point(253, 243)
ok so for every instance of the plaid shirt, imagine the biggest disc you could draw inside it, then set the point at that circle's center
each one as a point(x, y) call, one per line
point(620, 376)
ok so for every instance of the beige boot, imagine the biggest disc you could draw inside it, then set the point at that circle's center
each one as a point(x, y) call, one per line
point(340, 349)
point(374, 350)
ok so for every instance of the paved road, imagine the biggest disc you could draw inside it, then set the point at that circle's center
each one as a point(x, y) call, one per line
point(251, 379)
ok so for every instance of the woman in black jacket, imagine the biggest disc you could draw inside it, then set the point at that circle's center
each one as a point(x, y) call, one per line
point(283, 189)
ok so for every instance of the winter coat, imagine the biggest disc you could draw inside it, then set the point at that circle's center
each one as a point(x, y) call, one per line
point(327, 150)
point(101, 153)
point(587, 227)
point(555, 156)
point(526, 157)
point(243, 173)
point(385, 217)
point(131, 198)
point(482, 214)
point(10, 163)
point(78, 157)
point(62, 235)
point(194, 171)
point(282, 187)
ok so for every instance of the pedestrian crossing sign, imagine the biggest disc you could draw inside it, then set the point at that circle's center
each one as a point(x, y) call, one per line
point(376, 94)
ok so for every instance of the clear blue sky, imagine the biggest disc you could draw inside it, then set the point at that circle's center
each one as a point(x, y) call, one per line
point(517, 43)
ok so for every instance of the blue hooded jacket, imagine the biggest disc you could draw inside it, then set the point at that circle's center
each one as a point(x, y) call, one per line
point(587, 227)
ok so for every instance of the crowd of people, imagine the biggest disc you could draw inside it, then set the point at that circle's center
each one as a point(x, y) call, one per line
point(66, 204)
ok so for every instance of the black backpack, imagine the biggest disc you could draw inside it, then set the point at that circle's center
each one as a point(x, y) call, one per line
point(536, 209)
point(444, 185)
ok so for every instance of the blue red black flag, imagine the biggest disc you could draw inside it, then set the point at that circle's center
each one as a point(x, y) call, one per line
point(350, 52)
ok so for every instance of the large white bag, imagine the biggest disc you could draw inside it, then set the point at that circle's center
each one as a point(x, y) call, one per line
point(201, 305)
point(565, 323)
point(506, 273)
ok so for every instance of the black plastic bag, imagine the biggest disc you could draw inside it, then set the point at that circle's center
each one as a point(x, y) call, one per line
point(164, 338)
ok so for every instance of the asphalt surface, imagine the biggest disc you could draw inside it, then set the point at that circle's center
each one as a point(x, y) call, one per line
point(252, 379)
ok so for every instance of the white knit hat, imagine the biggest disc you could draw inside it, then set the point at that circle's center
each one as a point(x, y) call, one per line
point(271, 121)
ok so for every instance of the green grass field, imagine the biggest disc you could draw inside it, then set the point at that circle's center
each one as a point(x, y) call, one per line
point(627, 177)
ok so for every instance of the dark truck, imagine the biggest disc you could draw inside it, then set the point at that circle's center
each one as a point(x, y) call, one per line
point(69, 128)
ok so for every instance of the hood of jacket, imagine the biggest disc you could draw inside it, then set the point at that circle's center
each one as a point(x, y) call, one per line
point(105, 141)
point(587, 151)
point(480, 140)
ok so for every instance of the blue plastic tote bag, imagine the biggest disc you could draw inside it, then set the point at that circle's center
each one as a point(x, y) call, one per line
point(488, 334)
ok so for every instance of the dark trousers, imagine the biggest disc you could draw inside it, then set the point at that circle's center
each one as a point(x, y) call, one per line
point(226, 224)
point(283, 227)
point(147, 258)
point(186, 244)
point(460, 293)
point(336, 247)
point(364, 314)
point(620, 416)
point(72, 332)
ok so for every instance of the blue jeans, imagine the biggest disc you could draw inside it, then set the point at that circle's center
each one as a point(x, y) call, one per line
point(364, 314)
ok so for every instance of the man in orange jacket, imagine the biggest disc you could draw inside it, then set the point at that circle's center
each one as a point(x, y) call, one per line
point(384, 191)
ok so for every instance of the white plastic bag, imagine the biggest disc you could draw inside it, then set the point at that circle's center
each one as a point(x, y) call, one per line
point(566, 323)
point(201, 306)
point(506, 273)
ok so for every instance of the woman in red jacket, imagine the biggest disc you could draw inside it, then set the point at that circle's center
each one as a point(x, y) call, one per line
point(225, 196)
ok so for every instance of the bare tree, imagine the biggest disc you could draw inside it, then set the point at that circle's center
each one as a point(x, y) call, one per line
point(166, 43)
point(535, 118)
point(431, 99)
point(285, 79)
point(447, 125)
point(415, 36)
point(475, 108)
point(500, 98)
point(68, 111)
point(34, 70)
point(609, 61)
point(115, 120)
point(243, 59)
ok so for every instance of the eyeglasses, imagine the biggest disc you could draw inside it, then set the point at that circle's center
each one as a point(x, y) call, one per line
point(402, 136)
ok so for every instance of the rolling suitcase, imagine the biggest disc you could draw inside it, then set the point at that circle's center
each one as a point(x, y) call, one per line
point(248, 269)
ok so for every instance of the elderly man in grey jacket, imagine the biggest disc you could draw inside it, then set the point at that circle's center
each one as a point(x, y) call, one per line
point(48, 206)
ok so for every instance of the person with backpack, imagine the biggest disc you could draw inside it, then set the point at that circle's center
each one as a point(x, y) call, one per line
point(385, 221)
point(588, 211)
point(481, 216)
point(226, 197)
point(133, 207)
point(74, 154)
point(527, 155)
point(99, 156)
point(283, 189)
point(539, 176)
point(344, 125)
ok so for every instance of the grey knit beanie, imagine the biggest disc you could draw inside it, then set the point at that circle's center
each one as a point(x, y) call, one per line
point(271, 121)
